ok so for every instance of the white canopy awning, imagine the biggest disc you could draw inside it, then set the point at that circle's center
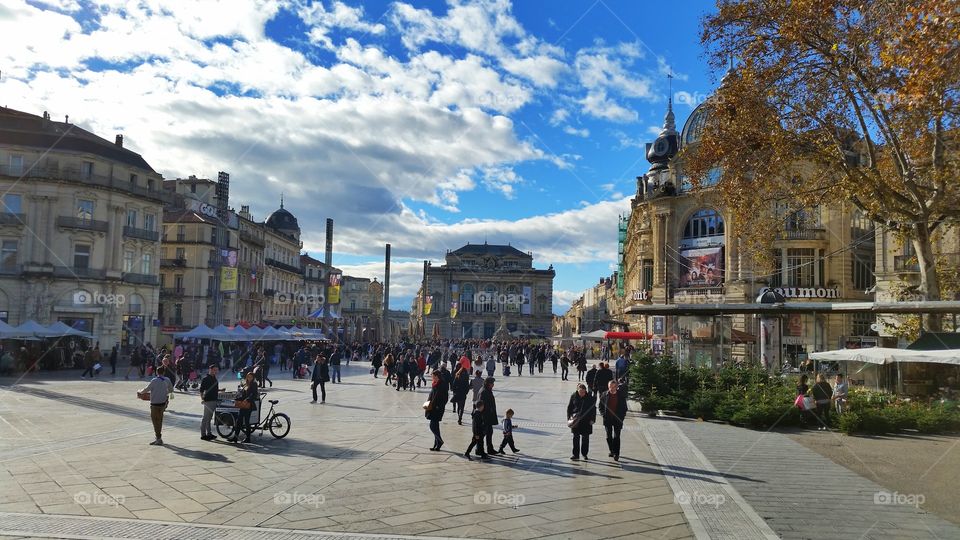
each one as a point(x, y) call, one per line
point(61, 329)
point(886, 355)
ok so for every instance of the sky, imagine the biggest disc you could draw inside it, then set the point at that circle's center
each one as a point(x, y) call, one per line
point(427, 125)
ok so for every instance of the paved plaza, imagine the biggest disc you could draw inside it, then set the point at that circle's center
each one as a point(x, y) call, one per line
point(75, 463)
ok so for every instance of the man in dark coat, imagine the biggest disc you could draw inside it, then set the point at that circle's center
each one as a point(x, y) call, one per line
point(604, 376)
point(489, 413)
point(591, 376)
point(581, 414)
point(613, 408)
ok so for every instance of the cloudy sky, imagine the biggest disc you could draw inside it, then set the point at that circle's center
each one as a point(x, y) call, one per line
point(423, 124)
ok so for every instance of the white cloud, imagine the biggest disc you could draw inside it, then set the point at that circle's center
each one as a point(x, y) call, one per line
point(559, 116)
point(597, 104)
point(570, 130)
point(321, 21)
point(564, 299)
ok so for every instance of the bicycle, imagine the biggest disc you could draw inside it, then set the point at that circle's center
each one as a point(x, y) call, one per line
point(225, 419)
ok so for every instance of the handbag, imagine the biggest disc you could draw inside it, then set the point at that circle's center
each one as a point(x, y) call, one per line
point(372, 370)
point(428, 405)
point(97, 367)
point(798, 403)
point(573, 421)
point(243, 404)
point(809, 403)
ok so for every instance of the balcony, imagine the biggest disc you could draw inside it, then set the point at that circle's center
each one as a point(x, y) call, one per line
point(140, 279)
point(174, 292)
point(7, 218)
point(808, 233)
point(74, 174)
point(142, 234)
point(70, 222)
point(74, 272)
point(251, 238)
point(174, 321)
point(179, 262)
point(906, 264)
point(282, 266)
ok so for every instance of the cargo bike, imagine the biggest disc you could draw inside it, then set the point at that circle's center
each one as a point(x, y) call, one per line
point(227, 414)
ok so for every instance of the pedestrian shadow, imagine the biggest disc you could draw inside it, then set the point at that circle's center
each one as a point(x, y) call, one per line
point(198, 454)
point(549, 467)
point(681, 472)
point(178, 413)
point(329, 404)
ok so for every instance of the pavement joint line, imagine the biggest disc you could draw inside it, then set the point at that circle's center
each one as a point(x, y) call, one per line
point(128, 526)
point(668, 445)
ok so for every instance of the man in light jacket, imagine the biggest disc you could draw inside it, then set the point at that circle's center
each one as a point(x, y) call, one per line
point(160, 389)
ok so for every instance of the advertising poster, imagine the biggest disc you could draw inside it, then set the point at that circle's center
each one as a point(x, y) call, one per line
point(658, 325)
point(525, 308)
point(428, 305)
point(455, 300)
point(228, 279)
point(228, 257)
point(333, 289)
point(701, 267)
point(795, 325)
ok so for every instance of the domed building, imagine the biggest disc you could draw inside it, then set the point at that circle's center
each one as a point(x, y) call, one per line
point(682, 248)
point(283, 275)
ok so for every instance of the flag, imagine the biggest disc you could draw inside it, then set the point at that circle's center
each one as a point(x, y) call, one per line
point(428, 305)
point(453, 309)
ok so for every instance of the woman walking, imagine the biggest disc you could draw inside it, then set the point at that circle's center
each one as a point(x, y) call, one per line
point(823, 394)
point(435, 406)
point(321, 374)
point(581, 414)
point(461, 385)
point(802, 389)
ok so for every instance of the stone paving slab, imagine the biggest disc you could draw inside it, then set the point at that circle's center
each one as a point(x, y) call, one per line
point(802, 494)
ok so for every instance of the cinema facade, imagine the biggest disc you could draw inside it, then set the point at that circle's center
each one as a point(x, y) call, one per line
point(682, 249)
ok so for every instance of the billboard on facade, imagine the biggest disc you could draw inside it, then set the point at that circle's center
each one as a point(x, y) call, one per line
point(428, 305)
point(702, 267)
point(333, 288)
point(525, 307)
point(228, 279)
point(455, 300)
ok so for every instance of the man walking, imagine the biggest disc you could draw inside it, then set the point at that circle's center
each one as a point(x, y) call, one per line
point(319, 377)
point(209, 392)
point(335, 366)
point(159, 390)
point(564, 367)
point(613, 408)
point(604, 375)
point(489, 413)
point(622, 367)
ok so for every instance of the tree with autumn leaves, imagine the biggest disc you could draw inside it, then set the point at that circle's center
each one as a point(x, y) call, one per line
point(837, 100)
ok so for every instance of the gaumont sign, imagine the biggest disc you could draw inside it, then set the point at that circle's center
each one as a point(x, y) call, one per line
point(642, 296)
point(803, 292)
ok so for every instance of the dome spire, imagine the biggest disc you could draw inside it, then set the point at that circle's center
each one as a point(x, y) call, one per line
point(281, 200)
point(669, 121)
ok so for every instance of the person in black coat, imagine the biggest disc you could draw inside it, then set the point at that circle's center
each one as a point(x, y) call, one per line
point(613, 409)
point(249, 392)
point(602, 378)
point(489, 413)
point(321, 374)
point(581, 414)
point(437, 404)
point(461, 387)
point(479, 430)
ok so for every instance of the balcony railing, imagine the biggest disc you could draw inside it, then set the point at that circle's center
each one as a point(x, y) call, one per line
point(281, 265)
point(74, 174)
point(7, 218)
point(174, 321)
point(809, 233)
point(906, 264)
point(71, 222)
point(140, 279)
point(143, 234)
point(179, 261)
point(76, 272)
point(171, 292)
point(251, 238)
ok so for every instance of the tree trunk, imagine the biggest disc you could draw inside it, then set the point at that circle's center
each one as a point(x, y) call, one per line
point(929, 280)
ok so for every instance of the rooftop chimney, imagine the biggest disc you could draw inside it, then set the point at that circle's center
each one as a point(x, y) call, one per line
point(67, 119)
point(119, 140)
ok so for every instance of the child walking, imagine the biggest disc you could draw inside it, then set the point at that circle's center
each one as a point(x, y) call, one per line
point(479, 429)
point(508, 432)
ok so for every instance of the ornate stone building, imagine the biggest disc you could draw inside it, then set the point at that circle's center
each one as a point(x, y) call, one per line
point(79, 230)
point(477, 283)
point(283, 276)
point(682, 247)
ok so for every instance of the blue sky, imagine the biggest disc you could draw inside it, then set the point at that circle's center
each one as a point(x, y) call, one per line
point(424, 124)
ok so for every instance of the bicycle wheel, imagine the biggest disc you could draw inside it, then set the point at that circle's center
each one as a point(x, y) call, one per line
point(224, 422)
point(279, 425)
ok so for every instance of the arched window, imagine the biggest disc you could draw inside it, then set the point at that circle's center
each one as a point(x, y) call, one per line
point(466, 298)
point(490, 299)
point(704, 223)
point(513, 300)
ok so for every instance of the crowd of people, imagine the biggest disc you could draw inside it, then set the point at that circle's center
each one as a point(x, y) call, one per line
point(457, 370)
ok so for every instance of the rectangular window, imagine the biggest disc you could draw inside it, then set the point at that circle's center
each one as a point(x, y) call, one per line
point(213, 235)
point(146, 264)
point(12, 203)
point(16, 165)
point(181, 253)
point(647, 283)
point(132, 218)
point(178, 282)
point(163, 285)
point(800, 267)
point(776, 277)
point(81, 256)
point(181, 233)
point(150, 222)
point(133, 179)
point(178, 311)
point(85, 209)
point(86, 170)
point(8, 254)
point(128, 260)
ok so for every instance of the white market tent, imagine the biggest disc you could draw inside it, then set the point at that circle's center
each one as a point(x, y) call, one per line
point(596, 335)
point(200, 332)
point(9, 332)
point(885, 355)
point(34, 329)
point(61, 329)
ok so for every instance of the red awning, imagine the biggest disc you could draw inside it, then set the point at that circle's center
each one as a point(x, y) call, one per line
point(627, 335)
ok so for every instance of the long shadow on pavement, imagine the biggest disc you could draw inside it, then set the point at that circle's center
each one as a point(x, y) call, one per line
point(672, 470)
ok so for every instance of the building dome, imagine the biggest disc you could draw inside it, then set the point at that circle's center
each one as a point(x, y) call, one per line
point(693, 128)
point(283, 220)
